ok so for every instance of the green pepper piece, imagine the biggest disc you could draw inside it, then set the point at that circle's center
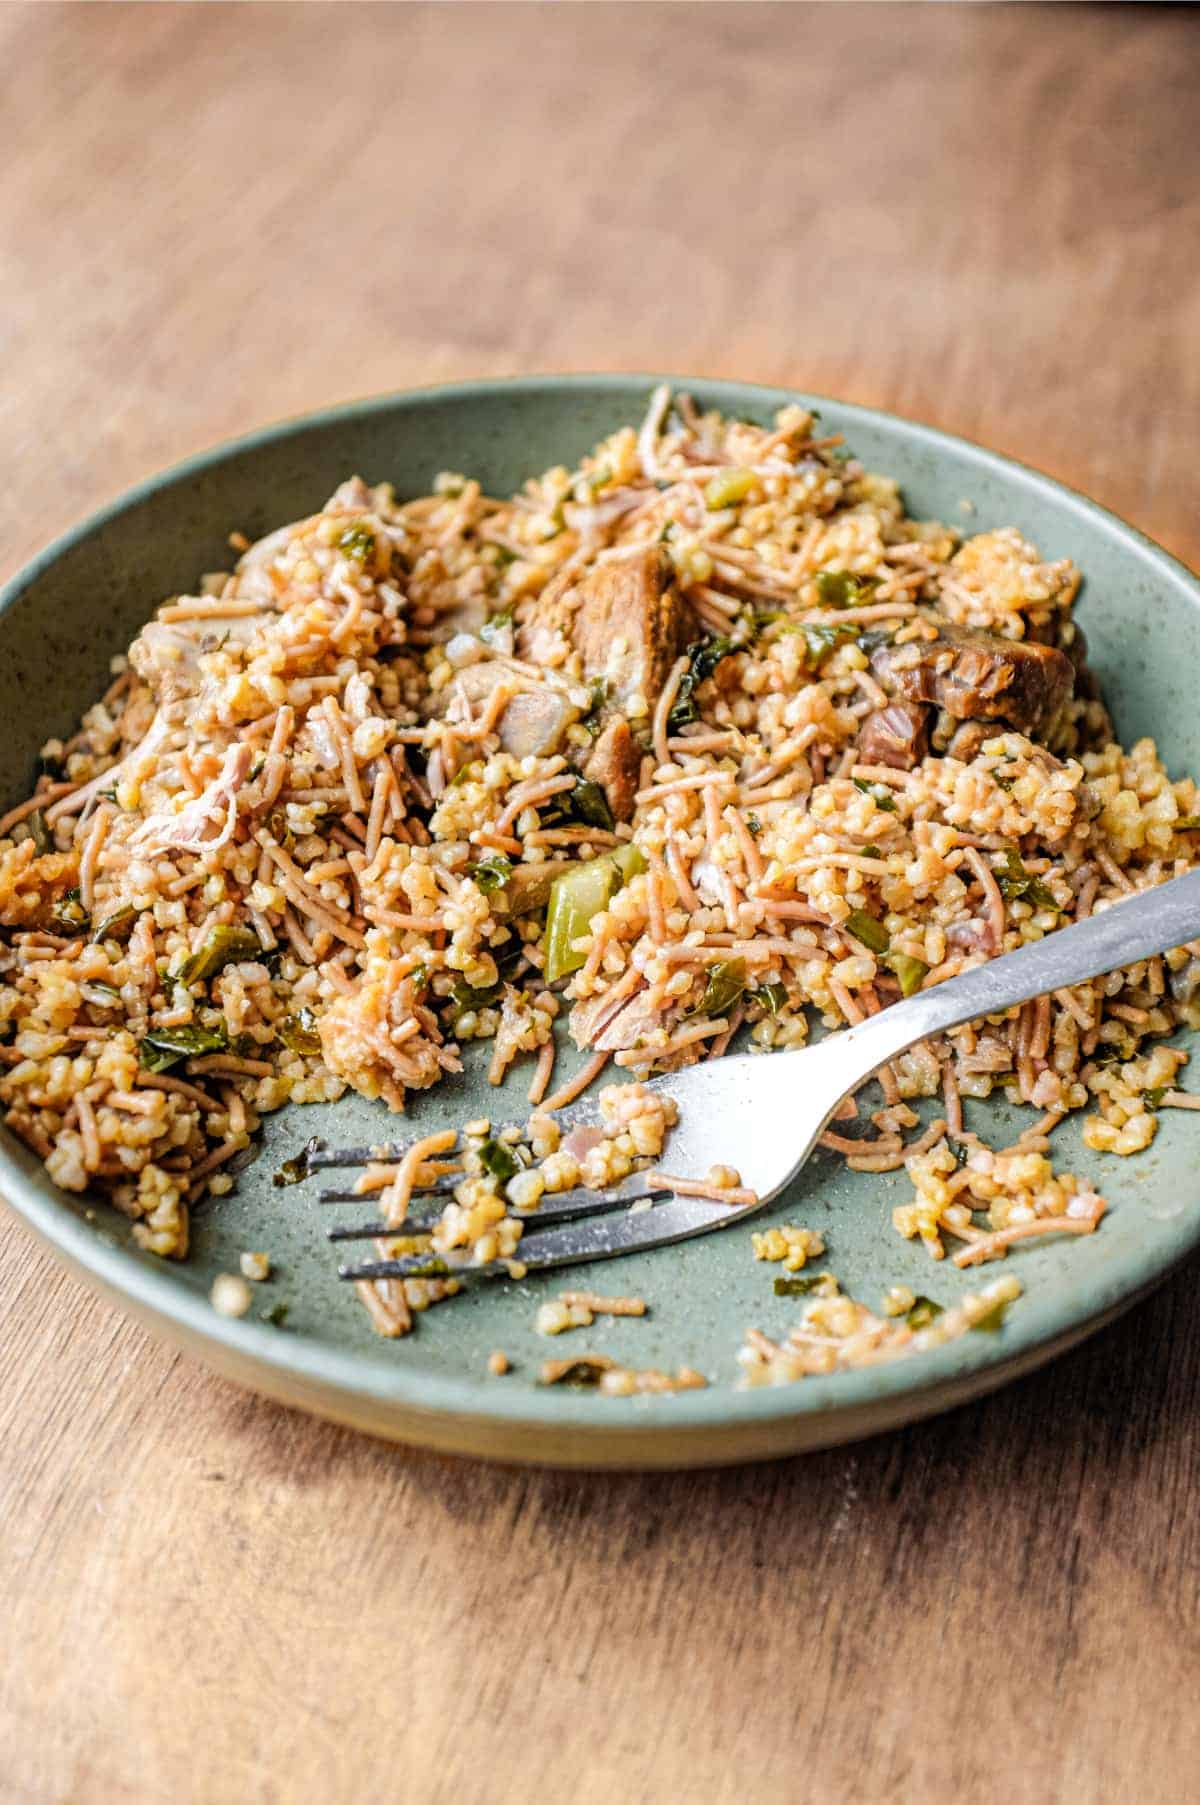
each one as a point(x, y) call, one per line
point(576, 897)
point(911, 972)
point(873, 935)
point(728, 488)
point(220, 947)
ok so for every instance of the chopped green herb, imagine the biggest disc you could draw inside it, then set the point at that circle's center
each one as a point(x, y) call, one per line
point(70, 917)
point(162, 1048)
point(588, 803)
point(754, 825)
point(879, 793)
point(773, 997)
point(467, 998)
point(280, 832)
point(1186, 824)
point(298, 1032)
point(357, 541)
point(864, 927)
point(870, 851)
point(1004, 783)
point(499, 624)
point(597, 697)
point(500, 555)
point(492, 872)
point(821, 638)
point(800, 1286)
point(106, 995)
point(1154, 1096)
point(843, 588)
point(922, 1313)
point(840, 454)
point(220, 947)
point(727, 489)
point(277, 1315)
point(911, 972)
point(704, 655)
point(993, 1316)
point(498, 1160)
point(116, 926)
point(295, 1170)
point(726, 982)
point(1017, 884)
point(39, 833)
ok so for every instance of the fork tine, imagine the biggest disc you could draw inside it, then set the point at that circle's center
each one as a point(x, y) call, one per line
point(600, 1238)
point(378, 1153)
point(441, 1187)
point(565, 1206)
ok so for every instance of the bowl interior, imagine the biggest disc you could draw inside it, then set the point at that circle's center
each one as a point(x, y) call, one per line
point(82, 602)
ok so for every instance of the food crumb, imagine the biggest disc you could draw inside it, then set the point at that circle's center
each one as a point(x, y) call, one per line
point(230, 1295)
point(256, 1266)
point(499, 1362)
point(579, 1310)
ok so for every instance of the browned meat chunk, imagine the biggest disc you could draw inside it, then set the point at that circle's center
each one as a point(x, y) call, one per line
point(628, 623)
point(897, 735)
point(977, 676)
point(614, 1027)
point(625, 618)
point(615, 763)
point(533, 722)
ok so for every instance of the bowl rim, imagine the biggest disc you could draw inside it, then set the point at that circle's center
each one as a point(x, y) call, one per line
point(899, 1391)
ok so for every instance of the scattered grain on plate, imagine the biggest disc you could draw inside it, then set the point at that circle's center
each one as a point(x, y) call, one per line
point(230, 1294)
point(256, 1266)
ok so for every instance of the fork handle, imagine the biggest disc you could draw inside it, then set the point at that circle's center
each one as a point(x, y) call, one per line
point(1136, 928)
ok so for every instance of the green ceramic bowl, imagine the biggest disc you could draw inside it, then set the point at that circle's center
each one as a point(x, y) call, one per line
point(84, 598)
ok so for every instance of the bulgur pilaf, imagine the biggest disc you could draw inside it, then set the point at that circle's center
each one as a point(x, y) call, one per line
point(702, 736)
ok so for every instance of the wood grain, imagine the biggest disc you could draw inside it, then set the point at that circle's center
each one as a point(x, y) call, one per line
point(213, 216)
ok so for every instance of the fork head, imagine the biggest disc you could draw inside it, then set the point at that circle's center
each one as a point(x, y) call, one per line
point(761, 1116)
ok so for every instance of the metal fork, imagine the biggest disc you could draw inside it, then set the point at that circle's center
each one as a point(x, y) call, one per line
point(763, 1114)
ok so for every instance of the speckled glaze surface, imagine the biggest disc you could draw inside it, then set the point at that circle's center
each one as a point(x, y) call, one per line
point(82, 600)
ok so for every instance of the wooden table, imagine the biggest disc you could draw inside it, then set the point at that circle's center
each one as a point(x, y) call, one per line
point(212, 217)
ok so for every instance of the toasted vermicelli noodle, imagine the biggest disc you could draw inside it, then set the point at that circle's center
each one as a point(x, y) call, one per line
point(308, 838)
